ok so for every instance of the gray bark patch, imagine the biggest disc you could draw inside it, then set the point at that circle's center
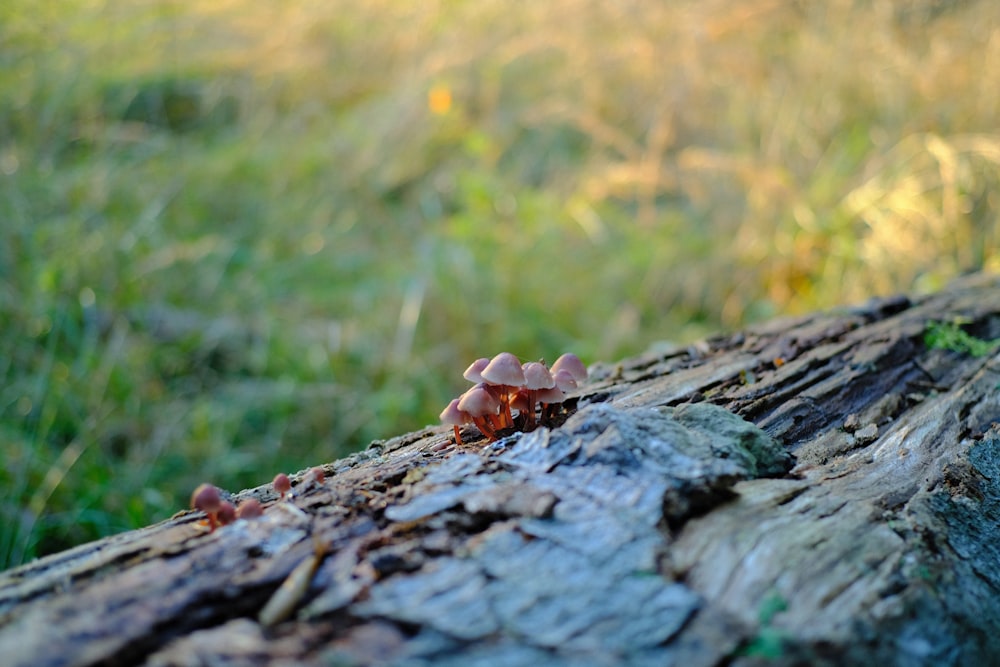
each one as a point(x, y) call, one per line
point(574, 565)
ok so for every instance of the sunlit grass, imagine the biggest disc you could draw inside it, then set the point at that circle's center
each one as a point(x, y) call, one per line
point(241, 237)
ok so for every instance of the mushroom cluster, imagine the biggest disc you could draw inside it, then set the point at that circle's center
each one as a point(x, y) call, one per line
point(503, 386)
point(219, 512)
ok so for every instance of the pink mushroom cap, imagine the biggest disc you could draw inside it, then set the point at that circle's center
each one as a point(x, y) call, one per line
point(537, 376)
point(227, 513)
point(564, 380)
point(249, 509)
point(282, 484)
point(453, 415)
point(553, 395)
point(206, 498)
point(571, 363)
point(474, 373)
point(504, 369)
point(478, 402)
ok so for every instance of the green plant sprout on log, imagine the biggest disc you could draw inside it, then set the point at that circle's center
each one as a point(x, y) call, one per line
point(951, 336)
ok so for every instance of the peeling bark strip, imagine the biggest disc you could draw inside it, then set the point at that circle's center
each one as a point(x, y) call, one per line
point(822, 490)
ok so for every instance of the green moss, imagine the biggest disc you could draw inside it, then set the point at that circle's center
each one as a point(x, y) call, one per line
point(769, 643)
point(951, 336)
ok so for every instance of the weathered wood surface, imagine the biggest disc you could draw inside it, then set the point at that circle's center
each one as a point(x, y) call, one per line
point(857, 525)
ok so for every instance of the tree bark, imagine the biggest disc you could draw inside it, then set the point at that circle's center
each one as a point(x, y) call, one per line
point(819, 490)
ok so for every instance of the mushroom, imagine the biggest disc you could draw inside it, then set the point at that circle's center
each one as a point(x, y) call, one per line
point(571, 363)
point(482, 407)
point(456, 417)
point(548, 397)
point(282, 484)
point(519, 402)
point(551, 395)
point(227, 513)
point(504, 370)
point(474, 373)
point(207, 499)
point(249, 509)
point(536, 376)
point(564, 380)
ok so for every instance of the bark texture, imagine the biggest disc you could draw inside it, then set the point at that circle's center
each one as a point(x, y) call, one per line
point(820, 490)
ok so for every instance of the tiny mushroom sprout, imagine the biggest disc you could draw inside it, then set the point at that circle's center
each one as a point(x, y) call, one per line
point(227, 513)
point(313, 478)
point(282, 484)
point(318, 475)
point(207, 499)
point(249, 509)
point(503, 385)
point(504, 371)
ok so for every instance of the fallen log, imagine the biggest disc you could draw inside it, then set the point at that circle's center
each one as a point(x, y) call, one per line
point(817, 490)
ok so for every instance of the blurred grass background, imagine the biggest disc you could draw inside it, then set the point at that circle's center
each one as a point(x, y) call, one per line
point(241, 237)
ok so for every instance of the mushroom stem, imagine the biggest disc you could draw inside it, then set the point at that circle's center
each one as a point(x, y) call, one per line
point(504, 370)
point(487, 430)
point(458, 437)
point(499, 392)
point(508, 418)
point(536, 378)
point(532, 394)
